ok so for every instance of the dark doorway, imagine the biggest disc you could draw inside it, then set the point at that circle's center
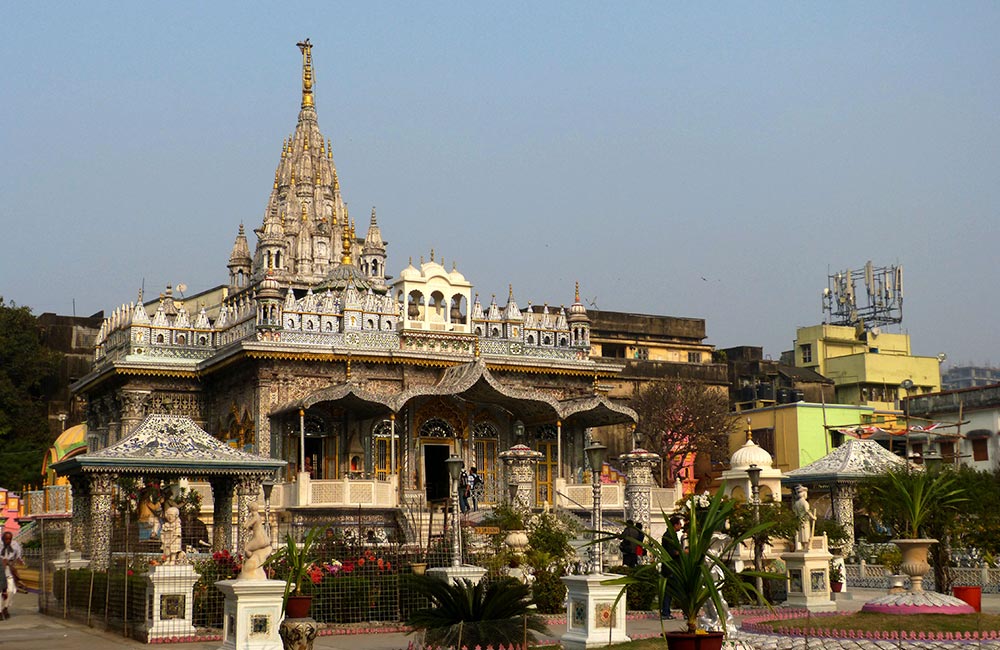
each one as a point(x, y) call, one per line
point(436, 472)
point(314, 457)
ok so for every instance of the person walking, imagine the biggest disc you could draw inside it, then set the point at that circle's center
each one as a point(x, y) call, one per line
point(475, 488)
point(11, 553)
point(677, 530)
point(629, 546)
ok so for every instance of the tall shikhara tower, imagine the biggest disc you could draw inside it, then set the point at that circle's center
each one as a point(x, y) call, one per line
point(307, 232)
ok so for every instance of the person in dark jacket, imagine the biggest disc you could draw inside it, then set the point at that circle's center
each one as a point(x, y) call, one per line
point(630, 536)
point(677, 530)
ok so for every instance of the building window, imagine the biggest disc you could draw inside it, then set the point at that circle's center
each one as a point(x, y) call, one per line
point(807, 352)
point(694, 357)
point(642, 353)
point(980, 450)
point(765, 440)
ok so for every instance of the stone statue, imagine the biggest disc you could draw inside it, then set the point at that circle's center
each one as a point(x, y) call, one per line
point(710, 618)
point(258, 547)
point(170, 537)
point(807, 518)
point(149, 517)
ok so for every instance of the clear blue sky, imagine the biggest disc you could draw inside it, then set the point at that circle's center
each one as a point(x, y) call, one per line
point(710, 160)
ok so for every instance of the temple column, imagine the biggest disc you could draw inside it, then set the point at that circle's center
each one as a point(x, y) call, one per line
point(79, 523)
point(639, 485)
point(843, 511)
point(222, 513)
point(134, 405)
point(101, 518)
point(520, 462)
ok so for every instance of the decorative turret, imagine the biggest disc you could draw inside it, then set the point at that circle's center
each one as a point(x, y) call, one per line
point(305, 208)
point(373, 254)
point(240, 262)
point(579, 322)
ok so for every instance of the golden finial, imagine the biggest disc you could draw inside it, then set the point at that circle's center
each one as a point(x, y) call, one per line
point(749, 431)
point(346, 235)
point(275, 179)
point(284, 147)
point(293, 177)
point(578, 291)
point(322, 147)
point(307, 72)
point(476, 351)
point(336, 181)
point(510, 292)
point(432, 254)
point(373, 215)
point(348, 368)
point(329, 150)
point(304, 216)
point(317, 181)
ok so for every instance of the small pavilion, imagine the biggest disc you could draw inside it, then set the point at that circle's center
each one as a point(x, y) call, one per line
point(841, 470)
point(161, 447)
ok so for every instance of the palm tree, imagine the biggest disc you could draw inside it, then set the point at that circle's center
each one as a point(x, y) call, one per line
point(471, 614)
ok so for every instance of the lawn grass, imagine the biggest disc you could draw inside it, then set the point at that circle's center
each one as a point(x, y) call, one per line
point(872, 622)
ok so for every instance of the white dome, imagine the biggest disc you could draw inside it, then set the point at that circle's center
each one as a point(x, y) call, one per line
point(751, 454)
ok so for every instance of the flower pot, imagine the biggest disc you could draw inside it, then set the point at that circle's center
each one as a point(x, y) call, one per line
point(418, 568)
point(836, 587)
point(914, 562)
point(971, 595)
point(688, 641)
point(298, 606)
point(517, 540)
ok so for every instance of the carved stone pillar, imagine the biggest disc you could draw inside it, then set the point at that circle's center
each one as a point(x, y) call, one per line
point(639, 484)
point(101, 518)
point(247, 488)
point(135, 405)
point(520, 463)
point(113, 420)
point(843, 511)
point(79, 523)
point(222, 514)
point(262, 422)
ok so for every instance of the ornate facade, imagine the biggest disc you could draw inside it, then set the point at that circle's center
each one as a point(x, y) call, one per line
point(310, 355)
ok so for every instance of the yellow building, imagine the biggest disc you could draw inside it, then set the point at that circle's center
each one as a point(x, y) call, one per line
point(868, 368)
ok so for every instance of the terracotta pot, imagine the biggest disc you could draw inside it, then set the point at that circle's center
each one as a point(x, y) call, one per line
point(298, 606)
point(418, 568)
point(914, 562)
point(972, 595)
point(836, 587)
point(687, 641)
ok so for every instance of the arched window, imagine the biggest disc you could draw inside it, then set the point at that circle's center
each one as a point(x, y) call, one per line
point(436, 428)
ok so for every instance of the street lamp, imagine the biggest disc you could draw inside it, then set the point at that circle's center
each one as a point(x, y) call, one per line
point(595, 456)
point(455, 465)
point(754, 473)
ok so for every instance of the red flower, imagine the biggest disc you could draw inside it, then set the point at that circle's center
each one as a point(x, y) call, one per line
point(130, 572)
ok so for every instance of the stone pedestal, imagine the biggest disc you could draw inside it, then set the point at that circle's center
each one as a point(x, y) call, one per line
point(252, 614)
point(456, 574)
point(69, 560)
point(592, 619)
point(809, 577)
point(170, 602)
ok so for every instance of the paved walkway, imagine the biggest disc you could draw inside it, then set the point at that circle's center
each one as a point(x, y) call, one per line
point(29, 630)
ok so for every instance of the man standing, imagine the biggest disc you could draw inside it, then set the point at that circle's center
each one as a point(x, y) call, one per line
point(463, 492)
point(10, 554)
point(631, 537)
point(475, 487)
point(677, 530)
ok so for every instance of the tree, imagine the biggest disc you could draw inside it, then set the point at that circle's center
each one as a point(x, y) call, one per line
point(679, 418)
point(28, 372)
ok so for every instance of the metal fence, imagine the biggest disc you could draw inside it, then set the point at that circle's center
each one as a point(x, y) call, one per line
point(351, 582)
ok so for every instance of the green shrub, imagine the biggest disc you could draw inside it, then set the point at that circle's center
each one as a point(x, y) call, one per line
point(640, 595)
point(548, 592)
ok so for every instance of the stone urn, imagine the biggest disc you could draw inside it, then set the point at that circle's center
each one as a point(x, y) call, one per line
point(517, 541)
point(914, 562)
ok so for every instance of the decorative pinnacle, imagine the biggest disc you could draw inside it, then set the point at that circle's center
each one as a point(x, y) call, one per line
point(373, 215)
point(304, 215)
point(510, 292)
point(578, 291)
point(307, 73)
point(749, 431)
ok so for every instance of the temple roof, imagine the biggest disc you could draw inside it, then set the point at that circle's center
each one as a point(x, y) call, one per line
point(169, 445)
point(852, 461)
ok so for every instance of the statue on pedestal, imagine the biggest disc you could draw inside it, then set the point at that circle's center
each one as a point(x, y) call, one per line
point(170, 537)
point(258, 547)
point(807, 518)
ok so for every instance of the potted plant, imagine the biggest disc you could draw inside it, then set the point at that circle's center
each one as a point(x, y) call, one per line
point(907, 498)
point(836, 576)
point(298, 558)
point(693, 571)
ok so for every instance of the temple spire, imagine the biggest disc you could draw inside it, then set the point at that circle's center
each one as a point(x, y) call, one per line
point(307, 73)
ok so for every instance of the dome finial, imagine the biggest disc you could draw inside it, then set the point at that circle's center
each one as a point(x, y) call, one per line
point(749, 431)
point(578, 291)
point(307, 73)
point(374, 223)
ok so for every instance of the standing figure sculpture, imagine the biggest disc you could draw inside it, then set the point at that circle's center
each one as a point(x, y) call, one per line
point(170, 537)
point(258, 547)
point(806, 516)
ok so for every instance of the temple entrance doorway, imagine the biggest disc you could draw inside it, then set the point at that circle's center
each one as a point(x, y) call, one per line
point(436, 481)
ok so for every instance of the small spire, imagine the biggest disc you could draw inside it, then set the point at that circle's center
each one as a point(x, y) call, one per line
point(432, 254)
point(348, 369)
point(307, 73)
point(275, 179)
point(329, 150)
point(477, 348)
point(749, 431)
point(373, 216)
point(304, 215)
point(578, 291)
point(510, 292)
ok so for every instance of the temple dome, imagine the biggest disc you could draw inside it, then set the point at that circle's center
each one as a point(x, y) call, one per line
point(751, 454)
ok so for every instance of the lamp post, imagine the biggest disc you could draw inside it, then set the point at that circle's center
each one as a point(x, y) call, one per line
point(268, 486)
point(595, 456)
point(455, 465)
point(754, 473)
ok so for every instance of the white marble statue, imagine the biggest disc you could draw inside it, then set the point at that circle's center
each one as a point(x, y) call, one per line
point(170, 537)
point(709, 618)
point(807, 518)
point(258, 547)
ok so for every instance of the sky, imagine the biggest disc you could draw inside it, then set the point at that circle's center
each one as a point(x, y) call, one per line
point(703, 160)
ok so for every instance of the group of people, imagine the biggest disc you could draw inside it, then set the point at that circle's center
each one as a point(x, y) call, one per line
point(470, 489)
point(631, 548)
